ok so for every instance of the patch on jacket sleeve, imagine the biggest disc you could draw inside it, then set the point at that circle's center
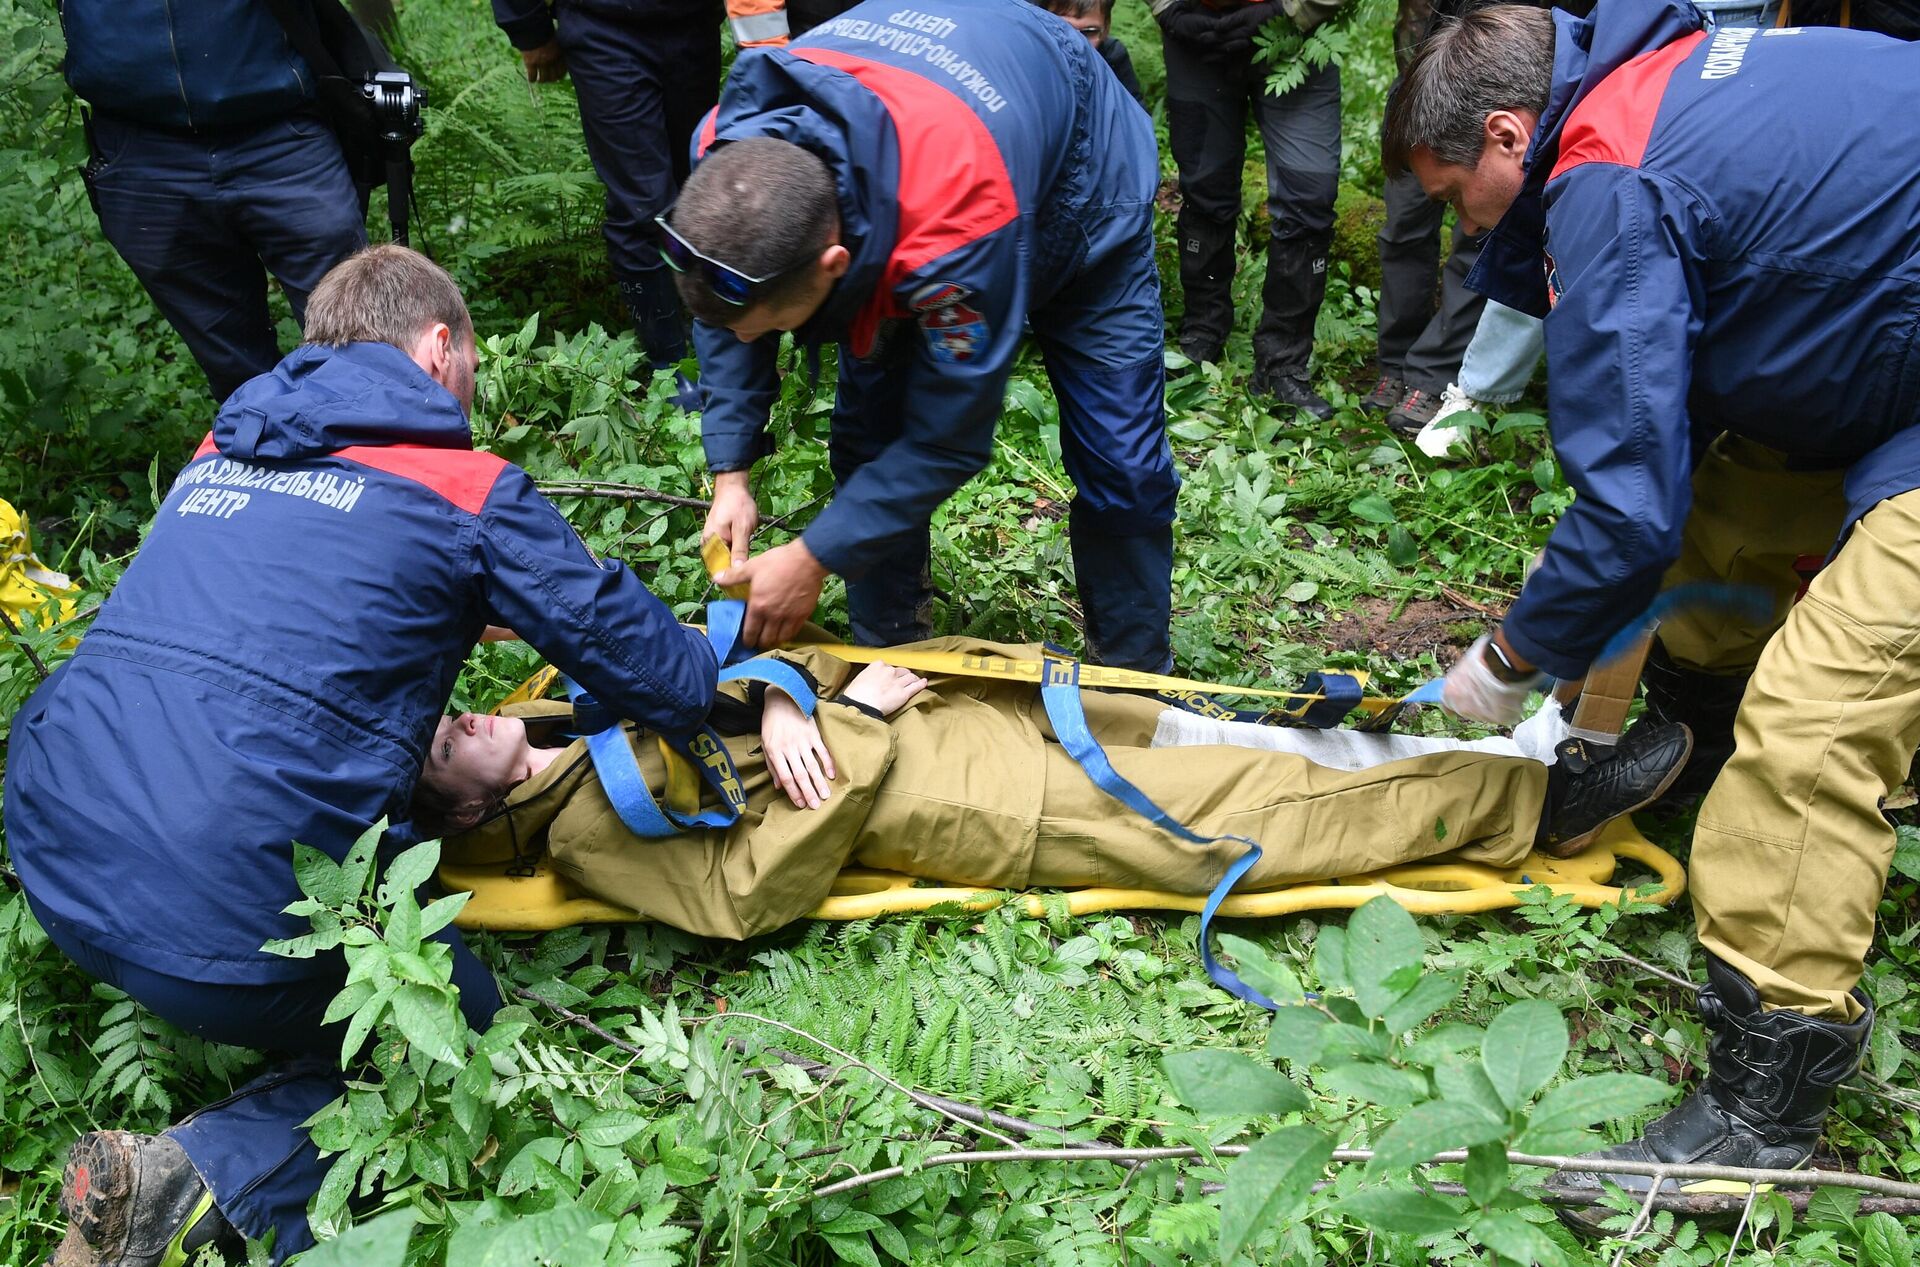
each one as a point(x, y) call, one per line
point(956, 332)
point(1553, 280)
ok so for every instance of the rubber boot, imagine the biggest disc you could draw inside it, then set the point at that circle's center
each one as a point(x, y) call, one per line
point(655, 309)
point(1706, 703)
point(1296, 282)
point(1770, 1081)
point(1206, 283)
point(1126, 590)
point(136, 1201)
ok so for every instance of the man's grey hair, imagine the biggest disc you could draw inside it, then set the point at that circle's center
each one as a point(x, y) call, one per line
point(1499, 57)
point(385, 294)
point(760, 206)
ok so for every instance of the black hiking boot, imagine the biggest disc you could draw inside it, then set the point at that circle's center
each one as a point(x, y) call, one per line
point(1706, 703)
point(1199, 352)
point(1290, 393)
point(136, 1201)
point(1588, 787)
point(1770, 1082)
point(1387, 393)
point(1415, 410)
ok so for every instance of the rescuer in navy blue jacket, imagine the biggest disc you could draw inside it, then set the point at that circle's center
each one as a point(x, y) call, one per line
point(208, 163)
point(915, 184)
point(271, 669)
point(645, 72)
point(1723, 234)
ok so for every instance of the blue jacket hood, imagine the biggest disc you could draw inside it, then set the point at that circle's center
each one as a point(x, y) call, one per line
point(319, 400)
point(1585, 51)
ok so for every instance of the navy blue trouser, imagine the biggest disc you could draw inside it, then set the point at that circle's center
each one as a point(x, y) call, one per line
point(196, 216)
point(643, 87)
point(248, 1148)
point(1102, 338)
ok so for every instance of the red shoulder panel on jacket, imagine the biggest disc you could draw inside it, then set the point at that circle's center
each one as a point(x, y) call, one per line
point(206, 446)
point(708, 126)
point(1615, 121)
point(954, 188)
point(462, 476)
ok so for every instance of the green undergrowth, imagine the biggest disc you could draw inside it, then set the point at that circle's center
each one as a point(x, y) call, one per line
point(636, 1102)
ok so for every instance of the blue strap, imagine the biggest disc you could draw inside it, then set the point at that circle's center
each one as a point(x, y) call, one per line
point(774, 673)
point(724, 616)
point(619, 770)
point(1340, 694)
point(1060, 692)
point(627, 791)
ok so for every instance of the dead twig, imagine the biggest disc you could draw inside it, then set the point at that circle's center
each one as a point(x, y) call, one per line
point(941, 1104)
point(33, 657)
point(618, 492)
point(1593, 1165)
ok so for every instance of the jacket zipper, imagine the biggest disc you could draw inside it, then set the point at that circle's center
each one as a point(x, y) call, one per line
point(178, 76)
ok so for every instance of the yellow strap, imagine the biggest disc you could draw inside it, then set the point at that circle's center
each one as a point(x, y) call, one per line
point(1006, 668)
point(683, 781)
point(718, 558)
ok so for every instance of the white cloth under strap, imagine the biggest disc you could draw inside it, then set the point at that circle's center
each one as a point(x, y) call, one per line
point(1533, 738)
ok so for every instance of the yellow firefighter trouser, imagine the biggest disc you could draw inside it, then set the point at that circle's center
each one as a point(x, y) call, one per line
point(1791, 851)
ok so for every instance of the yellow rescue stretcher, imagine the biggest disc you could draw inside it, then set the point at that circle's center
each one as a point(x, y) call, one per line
point(546, 900)
point(510, 896)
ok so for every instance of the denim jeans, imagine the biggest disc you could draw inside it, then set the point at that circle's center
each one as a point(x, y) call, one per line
point(1506, 347)
point(202, 218)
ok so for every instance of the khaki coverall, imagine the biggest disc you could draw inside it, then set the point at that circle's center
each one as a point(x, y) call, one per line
point(1791, 850)
point(967, 785)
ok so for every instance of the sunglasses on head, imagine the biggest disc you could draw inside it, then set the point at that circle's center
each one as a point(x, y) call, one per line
point(728, 284)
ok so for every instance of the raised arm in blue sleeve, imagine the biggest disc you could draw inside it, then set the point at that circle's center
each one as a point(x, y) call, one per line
point(739, 382)
point(1625, 247)
point(528, 23)
point(970, 306)
point(596, 621)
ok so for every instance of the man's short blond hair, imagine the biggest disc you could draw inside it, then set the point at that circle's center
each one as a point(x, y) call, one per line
point(385, 294)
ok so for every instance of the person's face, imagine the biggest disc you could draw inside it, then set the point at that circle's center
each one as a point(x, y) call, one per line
point(1480, 194)
point(451, 360)
point(797, 307)
point(475, 758)
point(1094, 26)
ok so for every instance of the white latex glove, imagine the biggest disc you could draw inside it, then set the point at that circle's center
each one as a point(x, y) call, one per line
point(1472, 691)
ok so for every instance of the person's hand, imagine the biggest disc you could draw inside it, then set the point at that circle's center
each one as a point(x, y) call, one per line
point(546, 64)
point(797, 756)
point(734, 514)
point(498, 633)
point(884, 688)
point(785, 583)
point(1473, 690)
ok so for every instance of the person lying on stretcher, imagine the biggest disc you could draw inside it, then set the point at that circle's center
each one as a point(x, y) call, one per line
point(961, 779)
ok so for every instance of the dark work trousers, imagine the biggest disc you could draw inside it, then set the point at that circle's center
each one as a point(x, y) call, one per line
point(1208, 97)
point(1419, 343)
point(1102, 339)
point(202, 217)
point(643, 87)
point(249, 1148)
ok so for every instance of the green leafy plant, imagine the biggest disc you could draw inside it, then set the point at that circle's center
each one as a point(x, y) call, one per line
point(1367, 1042)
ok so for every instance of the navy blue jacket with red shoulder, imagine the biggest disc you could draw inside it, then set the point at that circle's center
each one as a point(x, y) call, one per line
point(978, 147)
point(271, 667)
point(1732, 243)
